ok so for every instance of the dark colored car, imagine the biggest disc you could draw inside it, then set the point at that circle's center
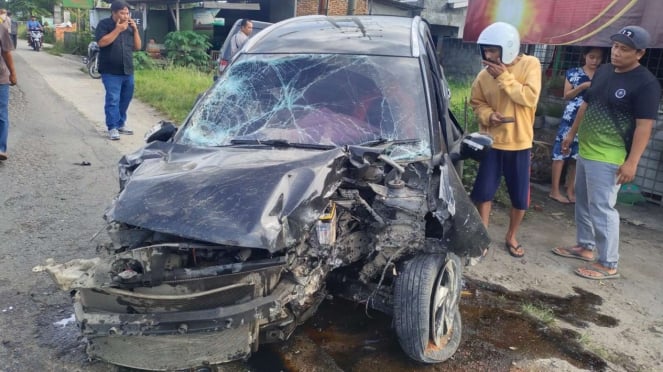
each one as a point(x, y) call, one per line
point(225, 54)
point(324, 160)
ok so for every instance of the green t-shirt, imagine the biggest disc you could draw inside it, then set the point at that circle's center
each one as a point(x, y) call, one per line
point(615, 101)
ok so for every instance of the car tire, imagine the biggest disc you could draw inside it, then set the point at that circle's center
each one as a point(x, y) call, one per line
point(426, 307)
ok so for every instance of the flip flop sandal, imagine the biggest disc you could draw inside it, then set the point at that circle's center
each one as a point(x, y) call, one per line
point(560, 200)
point(512, 250)
point(604, 274)
point(569, 253)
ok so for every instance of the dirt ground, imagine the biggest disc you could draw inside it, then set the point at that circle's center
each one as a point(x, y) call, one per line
point(52, 207)
point(635, 299)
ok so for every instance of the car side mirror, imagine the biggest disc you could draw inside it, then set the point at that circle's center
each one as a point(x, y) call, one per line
point(474, 146)
point(164, 131)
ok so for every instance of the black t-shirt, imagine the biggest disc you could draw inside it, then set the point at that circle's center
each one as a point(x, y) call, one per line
point(117, 57)
point(615, 101)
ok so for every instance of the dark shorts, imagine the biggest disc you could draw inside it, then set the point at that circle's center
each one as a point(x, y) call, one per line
point(514, 166)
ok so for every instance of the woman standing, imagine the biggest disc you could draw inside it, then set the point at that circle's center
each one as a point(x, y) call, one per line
point(578, 79)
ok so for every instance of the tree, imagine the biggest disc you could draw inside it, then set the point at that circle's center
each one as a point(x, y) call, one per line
point(30, 7)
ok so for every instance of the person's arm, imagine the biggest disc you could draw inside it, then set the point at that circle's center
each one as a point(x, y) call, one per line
point(643, 129)
point(571, 92)
point(138, 44)
point(9, 61)
point(110, 37)
point(566, 143)
point(525, 93)
point(481, 108)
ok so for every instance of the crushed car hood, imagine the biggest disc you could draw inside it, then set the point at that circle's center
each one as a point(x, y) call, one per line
point(249, 197)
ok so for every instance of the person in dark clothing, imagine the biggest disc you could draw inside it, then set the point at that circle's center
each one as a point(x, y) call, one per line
point(117, 37)
point(614, 125)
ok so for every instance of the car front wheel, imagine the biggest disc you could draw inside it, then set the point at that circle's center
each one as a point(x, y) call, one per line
point(426, 307)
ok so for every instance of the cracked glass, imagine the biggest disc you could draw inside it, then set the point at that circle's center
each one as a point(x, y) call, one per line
point(334, 100)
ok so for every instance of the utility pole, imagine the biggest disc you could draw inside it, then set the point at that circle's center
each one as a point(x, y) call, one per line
point(351, 7)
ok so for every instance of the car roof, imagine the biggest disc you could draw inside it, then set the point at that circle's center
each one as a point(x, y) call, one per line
point(365, 35)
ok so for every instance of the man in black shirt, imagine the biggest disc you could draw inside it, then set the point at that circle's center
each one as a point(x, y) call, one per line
point(117, 37)
point(613, 125)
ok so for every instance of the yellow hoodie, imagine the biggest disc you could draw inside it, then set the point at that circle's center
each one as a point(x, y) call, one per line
point(514, 93)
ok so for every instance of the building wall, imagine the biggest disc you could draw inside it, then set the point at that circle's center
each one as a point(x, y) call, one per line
point(460, 60)
point(334, 7)
point(382, 9)
point(440, 12)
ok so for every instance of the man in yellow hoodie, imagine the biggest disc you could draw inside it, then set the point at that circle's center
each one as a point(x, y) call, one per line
point(504, 98)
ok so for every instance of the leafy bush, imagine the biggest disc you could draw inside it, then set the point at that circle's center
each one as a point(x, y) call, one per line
point(143, 61)
point(460, 104)
point(49, 35)
point(188, 49)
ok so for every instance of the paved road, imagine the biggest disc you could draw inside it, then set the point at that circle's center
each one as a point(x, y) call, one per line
point(51, 207)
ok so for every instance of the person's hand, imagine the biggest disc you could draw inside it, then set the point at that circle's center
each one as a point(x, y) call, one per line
point(566, 145)
point(585, 85)
point(12, 79)
point(626, 172)
point(132, 24)
point(495, 119)
point(121, 25)
point(495, 69)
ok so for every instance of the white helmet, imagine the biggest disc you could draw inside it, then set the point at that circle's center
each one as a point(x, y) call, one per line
point(502, 35)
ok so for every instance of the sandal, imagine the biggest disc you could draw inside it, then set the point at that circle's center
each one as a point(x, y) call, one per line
point(602, 273)
point(570, 252)
point(513, 250)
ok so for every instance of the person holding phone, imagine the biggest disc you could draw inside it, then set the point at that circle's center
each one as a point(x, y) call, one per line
point(504, 97)
point(118, 38)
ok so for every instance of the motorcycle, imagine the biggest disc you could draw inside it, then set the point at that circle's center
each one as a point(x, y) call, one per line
point(35, 39)
point(92, 60)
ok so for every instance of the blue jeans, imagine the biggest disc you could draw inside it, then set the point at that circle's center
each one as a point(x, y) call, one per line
point(4, 116)
point(119, 91)
point(597, 220)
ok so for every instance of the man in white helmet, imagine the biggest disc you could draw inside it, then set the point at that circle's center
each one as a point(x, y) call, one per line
point(504, 98)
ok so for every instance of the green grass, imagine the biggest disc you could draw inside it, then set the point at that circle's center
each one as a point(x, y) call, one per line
point(544, 315)
point(173, 91)
point(460, 104)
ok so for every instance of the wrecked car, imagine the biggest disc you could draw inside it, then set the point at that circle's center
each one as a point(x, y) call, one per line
point(324, 161)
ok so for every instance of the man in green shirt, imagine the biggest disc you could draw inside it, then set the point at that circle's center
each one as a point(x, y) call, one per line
point(613, 125)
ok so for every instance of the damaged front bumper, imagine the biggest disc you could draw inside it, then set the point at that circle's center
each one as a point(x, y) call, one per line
point(188, 318)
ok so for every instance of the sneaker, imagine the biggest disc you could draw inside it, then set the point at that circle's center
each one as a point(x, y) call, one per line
point(3, 156)
point(114, 134)
point(125, 130)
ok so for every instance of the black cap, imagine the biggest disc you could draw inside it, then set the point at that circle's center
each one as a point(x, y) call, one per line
point(634, 36)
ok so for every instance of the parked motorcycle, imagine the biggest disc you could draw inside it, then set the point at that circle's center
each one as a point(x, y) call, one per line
point(92, 60)
point(35, 39)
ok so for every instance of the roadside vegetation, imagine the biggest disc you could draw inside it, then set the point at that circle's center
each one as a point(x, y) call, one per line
point(172, 90)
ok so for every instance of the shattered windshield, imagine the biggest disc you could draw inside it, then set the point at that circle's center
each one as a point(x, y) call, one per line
point(314, 99)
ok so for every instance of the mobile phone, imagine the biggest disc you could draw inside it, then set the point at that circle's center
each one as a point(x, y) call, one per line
point(509, 119)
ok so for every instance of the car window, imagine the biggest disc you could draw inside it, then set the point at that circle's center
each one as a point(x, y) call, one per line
point(323, 99)
point(226, 47)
